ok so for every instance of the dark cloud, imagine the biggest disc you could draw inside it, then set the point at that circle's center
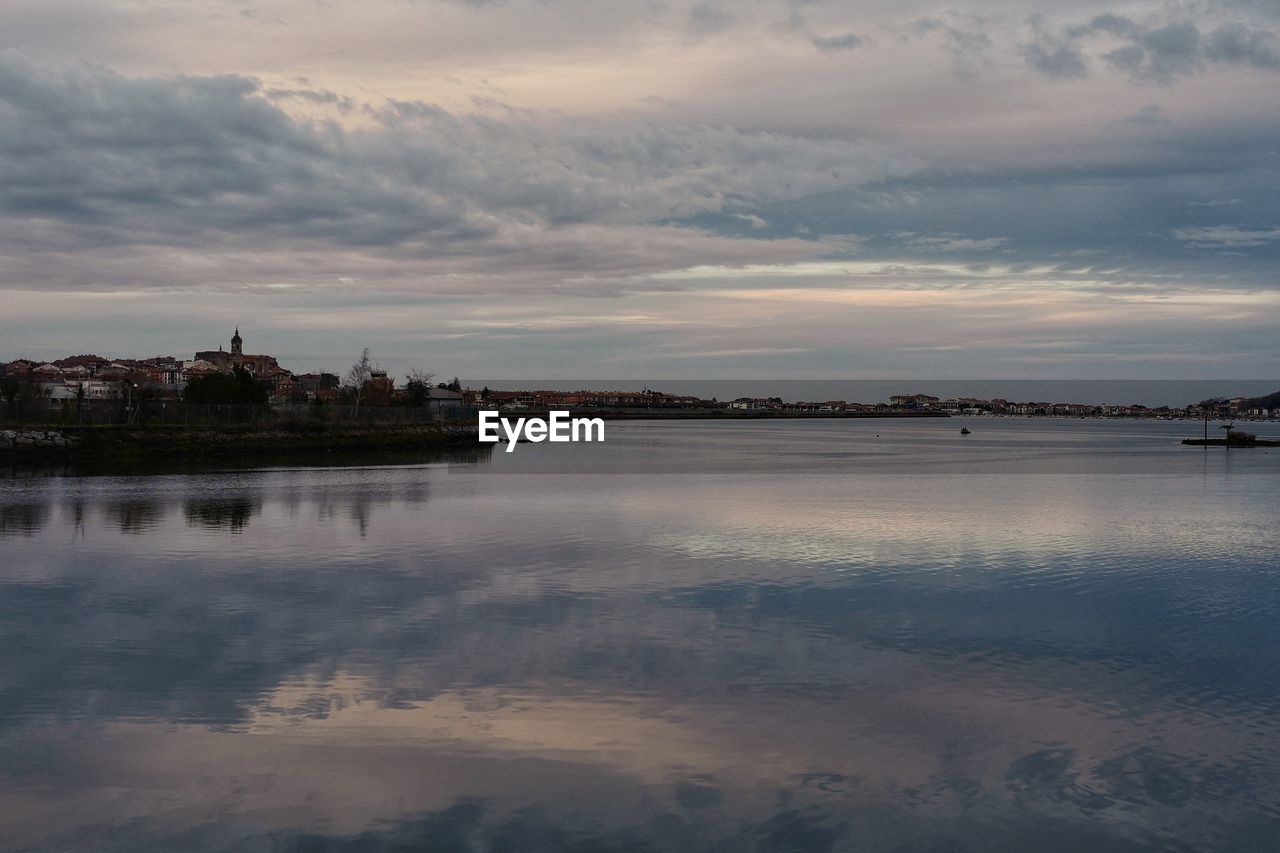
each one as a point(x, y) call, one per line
point(93, 159)
point(1108, 23)
point(1160, 54)
point(1054, 56)
point(441, 152)
point(1240, 45)
point(1150, 53)
point(708, 19)
point(1055, 59)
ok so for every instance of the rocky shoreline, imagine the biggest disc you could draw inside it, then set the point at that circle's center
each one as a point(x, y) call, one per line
point(36, 442)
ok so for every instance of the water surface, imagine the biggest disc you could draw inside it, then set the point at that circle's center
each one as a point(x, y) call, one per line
point(795, 635)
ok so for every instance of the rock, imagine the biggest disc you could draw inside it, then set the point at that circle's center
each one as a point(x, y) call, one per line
point(33, 441)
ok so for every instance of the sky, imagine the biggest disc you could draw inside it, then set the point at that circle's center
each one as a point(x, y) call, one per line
point(590, 188)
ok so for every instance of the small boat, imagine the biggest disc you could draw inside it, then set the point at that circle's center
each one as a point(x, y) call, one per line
point(964, 430)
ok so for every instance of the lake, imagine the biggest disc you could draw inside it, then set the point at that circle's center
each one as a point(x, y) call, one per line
point(862, 635)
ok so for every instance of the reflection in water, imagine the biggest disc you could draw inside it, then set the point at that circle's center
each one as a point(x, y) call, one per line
point(231, 513)
point(74, 511)
point(136, 515)
point(22, 519)
point(813, 655)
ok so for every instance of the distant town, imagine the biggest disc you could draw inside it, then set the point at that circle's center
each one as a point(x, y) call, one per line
point(230, 375)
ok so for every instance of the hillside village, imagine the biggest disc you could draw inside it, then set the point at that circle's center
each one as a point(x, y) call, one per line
point(93, 377)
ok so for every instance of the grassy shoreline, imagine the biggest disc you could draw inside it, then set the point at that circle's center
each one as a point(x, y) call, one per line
point(1222, 442)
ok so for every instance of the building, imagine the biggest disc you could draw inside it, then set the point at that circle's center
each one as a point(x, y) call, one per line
point(912, 401)
point(89, 389)
point(92, 364)
point(321, 387)
point(225, 361)
point(378, 388)
point(755, 403)
point(445, 403)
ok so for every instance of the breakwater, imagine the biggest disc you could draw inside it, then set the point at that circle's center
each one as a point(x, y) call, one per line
point(23, 443)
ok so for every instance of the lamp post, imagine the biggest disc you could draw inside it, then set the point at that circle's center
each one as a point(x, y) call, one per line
point(128, 408)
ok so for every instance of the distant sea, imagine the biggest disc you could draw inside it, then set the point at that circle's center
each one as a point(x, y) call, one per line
point(1159, 392)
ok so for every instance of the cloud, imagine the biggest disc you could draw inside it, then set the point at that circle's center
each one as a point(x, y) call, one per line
point(1146, 52)
point(537, 153)
point(1056, 59)
point(1054, 56)
point(1215, 202)
point(1150, 114)
point(952, 243)
point(708, 19)
point(834, 44)
point(1226, 237)
point(751, 219)
point(1238, 44)
point(966, 40)
point(1160, 54)
point(96, 162)
point(321, 97)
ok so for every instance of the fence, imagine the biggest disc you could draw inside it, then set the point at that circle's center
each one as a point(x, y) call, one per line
point(174, 413)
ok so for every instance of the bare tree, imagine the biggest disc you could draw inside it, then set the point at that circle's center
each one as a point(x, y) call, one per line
point(420, 376)
point(418, 386)
point(359, 375)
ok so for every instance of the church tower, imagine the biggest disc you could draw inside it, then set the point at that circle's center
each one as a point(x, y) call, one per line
point(237, 346)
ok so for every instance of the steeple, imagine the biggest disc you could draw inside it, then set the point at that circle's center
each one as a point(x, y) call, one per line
point(237, 343)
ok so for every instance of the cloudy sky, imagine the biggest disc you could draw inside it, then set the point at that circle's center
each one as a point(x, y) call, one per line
point(600, 188)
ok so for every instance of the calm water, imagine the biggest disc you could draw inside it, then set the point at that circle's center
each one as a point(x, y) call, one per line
point(803, 635)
